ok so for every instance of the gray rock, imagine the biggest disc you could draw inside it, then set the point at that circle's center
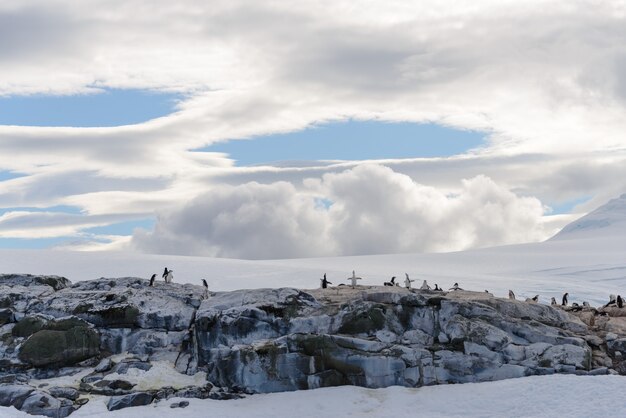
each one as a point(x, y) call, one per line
point(64, 392)
point(133, 399)
point(40, 403)
point(181, 404)
point(104, 365)
point(14, 395)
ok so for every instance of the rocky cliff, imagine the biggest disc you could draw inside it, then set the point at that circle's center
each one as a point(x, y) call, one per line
point(269, 340)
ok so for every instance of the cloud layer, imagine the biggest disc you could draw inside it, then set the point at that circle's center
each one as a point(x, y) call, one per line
point(544, 79)
point(369, 209)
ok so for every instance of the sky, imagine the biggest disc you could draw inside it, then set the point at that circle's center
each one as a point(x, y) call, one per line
point(276, 129)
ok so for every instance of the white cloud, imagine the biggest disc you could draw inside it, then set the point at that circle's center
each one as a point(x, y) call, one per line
point(373, 210)
point(544, 78)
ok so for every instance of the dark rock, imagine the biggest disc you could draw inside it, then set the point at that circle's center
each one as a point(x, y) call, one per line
point(194, 392)
point(123, 366)
point(64, 392)
point(94, 377)
point(6, 316)
point(81, 401)
point(133, 399)
point(165, 393)
point(181, 404)
point(114, 384)
point(62, 347)
point(27, 326)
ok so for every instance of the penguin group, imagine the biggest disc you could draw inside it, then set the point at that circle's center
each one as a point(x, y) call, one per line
point(168, 276)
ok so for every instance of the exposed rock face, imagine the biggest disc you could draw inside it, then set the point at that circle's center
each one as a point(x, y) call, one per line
point(270, 340)
point(55, 342)
point(283, 339)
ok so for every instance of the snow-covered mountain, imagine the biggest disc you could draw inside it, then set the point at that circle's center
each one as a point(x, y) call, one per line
point(608, 220)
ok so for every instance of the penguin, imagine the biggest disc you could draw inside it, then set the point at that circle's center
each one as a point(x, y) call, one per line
point(553, 301)
point(206, 288)
point(165, 272)
point(455, 287)
point(152, 280)
point(586, 305)
point(325, 282)
point(437, 288)
point(612, 301)
point(564, 300)
point(392, 282)
point(511, 295)
point(620, 302)
point(534, 299)
point(408, 281)
point(169, 277)
point(353, 279)
point(424, 286)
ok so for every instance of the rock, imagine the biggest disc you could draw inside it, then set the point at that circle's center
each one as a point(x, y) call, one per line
point(114, 384)
point(123, 366)
point(181, 404)
point(128, 303)
point(64, 392)
point(133, 399)
point(40, 403)
point(63, 347)
point(14, 395)
point(104, 366)
point(6, 316)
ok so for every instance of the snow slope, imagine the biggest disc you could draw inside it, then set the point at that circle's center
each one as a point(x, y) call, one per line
point(589, 268)
point(538, 396)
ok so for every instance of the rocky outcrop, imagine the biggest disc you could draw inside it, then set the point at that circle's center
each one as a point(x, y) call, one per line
point(269, 340)
point(282, 339)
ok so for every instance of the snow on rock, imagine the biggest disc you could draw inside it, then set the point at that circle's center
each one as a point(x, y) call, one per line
point(122, 337)
point(378, 337)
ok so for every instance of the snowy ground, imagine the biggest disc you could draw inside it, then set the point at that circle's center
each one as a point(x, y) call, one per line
point(538, 396)
point(589, 269)
point(589, 266)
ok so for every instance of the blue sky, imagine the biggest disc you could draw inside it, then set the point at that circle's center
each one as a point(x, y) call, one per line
point(107, 107)
point(352, 140)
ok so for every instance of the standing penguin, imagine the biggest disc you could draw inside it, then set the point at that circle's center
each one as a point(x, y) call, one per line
point(425, 286)
point(353, 279)
point(455, 287)
point(169, 276)
point(437, 288)
point(152, 279)
point(206, 288)
point(553, 301)
point(165, 273)
point(620, 302)
point(325, 282)
point(408, 281)
point(564, 300)
point(511, 295)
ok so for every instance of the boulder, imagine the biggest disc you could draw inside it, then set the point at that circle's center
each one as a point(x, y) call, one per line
point(133, 399)
point(52, 347)
point(64, 392)
point(40, 403)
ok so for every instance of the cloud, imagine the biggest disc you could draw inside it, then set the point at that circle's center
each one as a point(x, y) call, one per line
point(372, 209)
point(545, 80)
